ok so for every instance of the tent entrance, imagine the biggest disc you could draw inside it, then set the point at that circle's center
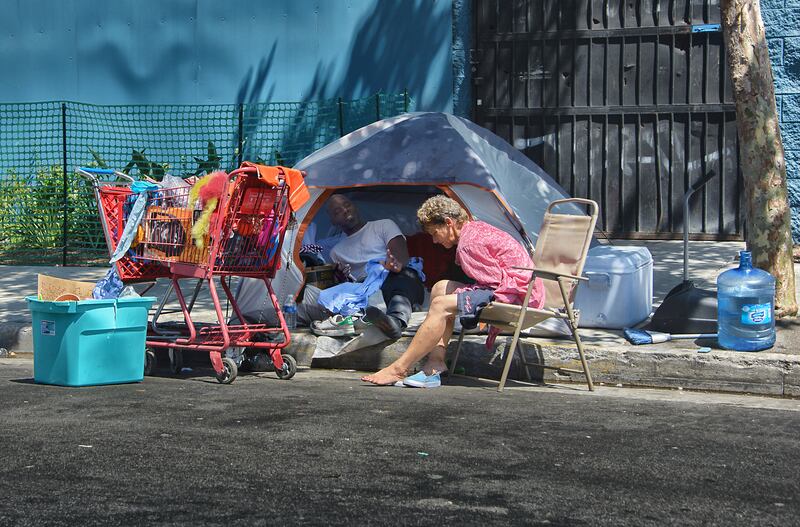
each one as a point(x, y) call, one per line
point(398, 203)
point(395, 202)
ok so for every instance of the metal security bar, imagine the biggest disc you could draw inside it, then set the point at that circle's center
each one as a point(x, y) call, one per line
point(49, 216)
point(627, 103)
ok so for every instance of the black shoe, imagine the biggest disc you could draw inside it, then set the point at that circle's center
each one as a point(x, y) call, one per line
point(389, 325)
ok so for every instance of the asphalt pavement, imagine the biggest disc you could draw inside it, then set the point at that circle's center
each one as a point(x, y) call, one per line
point(325, 449)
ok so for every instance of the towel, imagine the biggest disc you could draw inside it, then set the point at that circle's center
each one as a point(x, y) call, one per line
point(298, 192)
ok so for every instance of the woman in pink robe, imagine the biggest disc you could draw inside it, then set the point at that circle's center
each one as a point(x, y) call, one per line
point(487, 255)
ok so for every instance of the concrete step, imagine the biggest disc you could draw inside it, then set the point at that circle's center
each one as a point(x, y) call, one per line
point(667, 365)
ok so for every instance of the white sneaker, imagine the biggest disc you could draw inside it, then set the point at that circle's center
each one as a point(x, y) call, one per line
point(334, 326)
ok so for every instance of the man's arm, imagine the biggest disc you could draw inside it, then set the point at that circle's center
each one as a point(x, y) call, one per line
point(396, 254)
point(343, 271)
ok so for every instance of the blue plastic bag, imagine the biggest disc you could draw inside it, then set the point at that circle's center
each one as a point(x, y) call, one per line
point(110, 286)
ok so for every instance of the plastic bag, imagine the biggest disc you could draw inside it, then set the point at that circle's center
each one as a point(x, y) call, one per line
point(129, 292)
point(173, 195)
point(170, 181)
point(109, 286)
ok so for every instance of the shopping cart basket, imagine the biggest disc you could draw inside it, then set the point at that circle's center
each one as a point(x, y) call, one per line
point(113, 197)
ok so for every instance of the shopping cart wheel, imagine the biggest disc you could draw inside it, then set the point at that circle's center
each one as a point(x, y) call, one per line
point(289, 368)
point(230, 372)
point(175, 361)
point(149, 361)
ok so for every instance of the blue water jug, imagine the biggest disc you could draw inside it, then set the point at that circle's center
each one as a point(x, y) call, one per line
point(746, 307)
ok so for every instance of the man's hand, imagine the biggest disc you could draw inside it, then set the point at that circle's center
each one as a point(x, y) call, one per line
point(342, 272)
point(396, 254)
point(391, 263)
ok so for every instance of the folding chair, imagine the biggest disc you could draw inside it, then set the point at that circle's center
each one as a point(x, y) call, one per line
point(560, 255)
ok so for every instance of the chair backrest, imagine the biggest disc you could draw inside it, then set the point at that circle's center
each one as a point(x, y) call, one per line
point(564, 240)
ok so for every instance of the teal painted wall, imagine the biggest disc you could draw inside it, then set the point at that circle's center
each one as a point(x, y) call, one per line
point(782, 24)
point(214, 51)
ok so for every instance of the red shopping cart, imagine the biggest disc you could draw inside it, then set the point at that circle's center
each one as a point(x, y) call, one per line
point(114, 199)
point(243, 238)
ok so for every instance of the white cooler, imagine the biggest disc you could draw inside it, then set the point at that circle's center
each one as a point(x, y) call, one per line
point(619, 293)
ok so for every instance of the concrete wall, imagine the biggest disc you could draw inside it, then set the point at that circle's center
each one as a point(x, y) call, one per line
point(782, 21)
point(221, 52)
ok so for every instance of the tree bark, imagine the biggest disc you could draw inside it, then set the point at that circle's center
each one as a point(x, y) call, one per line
point(767, 214)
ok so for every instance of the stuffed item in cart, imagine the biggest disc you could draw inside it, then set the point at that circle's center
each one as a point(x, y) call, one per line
point(208, 190)
point(165, 232)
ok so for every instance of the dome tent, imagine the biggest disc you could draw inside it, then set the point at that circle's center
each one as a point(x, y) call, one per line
point(389, 167)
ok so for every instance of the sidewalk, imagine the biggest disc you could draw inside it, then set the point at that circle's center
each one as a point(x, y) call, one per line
point(612, 359)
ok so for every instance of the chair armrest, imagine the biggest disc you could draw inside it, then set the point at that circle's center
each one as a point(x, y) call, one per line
point(551, 275)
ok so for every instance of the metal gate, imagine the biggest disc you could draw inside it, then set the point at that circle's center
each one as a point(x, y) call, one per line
point(625, 102)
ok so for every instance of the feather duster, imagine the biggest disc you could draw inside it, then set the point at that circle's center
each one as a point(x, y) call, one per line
point(208, 190)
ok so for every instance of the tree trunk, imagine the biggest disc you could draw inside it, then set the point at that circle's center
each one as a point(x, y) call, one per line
point(767, 213)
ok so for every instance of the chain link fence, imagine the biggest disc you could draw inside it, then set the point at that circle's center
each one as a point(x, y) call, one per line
point(48, 214)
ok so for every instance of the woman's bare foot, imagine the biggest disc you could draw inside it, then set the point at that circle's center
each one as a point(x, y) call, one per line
point(386, 377)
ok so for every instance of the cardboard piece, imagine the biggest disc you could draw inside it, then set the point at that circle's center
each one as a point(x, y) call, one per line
point(51, 288)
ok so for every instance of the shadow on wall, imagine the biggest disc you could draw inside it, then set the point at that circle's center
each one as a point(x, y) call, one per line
point(255, 80)
point(382, 58)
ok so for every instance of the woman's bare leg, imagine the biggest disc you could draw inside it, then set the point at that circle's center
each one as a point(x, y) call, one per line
point(429, 334)
point(435, 361)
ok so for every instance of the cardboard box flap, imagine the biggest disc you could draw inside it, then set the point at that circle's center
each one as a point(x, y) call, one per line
point(51, 288)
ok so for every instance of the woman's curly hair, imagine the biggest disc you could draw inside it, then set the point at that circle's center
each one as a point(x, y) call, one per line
point(436, 209)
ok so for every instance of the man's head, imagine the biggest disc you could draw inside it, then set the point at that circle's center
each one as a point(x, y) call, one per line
point(343, 213)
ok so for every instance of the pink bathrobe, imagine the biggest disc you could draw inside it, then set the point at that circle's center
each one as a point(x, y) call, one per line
point(487, 254)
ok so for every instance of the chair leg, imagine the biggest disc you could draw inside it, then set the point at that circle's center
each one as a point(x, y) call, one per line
point(455, 355)
point(583, 359)
point(573, 327)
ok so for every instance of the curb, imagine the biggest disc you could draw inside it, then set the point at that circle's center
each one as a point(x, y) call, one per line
point(773, 374)
point(16, 337)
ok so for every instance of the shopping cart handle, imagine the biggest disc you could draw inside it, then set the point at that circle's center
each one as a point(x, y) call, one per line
point(95, 170)
point(93, 174)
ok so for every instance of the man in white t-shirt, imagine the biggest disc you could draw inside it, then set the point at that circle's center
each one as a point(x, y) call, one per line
point(365, 241)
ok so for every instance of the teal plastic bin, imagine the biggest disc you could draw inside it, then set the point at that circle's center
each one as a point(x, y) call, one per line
point(89, 342)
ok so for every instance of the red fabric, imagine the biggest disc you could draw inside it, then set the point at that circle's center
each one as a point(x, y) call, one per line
point(487, 255)
point(436, 260)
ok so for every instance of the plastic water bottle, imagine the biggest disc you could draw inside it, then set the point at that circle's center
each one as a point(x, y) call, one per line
point(746, 307)
point(290, 312)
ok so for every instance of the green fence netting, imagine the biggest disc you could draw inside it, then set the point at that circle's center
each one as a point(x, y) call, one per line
point(48, 215)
